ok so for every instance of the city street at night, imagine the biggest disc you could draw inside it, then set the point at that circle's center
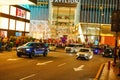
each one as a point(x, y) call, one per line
point(58, 65)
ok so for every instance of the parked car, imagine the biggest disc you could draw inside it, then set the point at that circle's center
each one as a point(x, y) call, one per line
point(85, 53)
point(52, 47)
point(97, 50)
point(31, 49)
point(73, 48)
point(108, 52)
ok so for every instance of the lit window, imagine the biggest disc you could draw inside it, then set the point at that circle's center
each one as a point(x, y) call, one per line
point(3, 23)
point(4, 9)
point(20, 25)
point(27, 27)
point(13, 11)
point(28, 15)
point(12, 24)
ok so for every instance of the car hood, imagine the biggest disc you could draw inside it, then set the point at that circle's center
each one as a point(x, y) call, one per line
point(82, 53)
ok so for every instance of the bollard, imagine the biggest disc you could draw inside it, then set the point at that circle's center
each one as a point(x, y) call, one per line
point(108, 65)
point(119, 72)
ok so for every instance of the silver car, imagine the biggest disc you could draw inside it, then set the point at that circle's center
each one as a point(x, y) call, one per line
point(73, 48)
point(85, 53)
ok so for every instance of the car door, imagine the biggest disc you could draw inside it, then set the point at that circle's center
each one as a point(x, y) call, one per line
point(36, 48)
point(41, 48)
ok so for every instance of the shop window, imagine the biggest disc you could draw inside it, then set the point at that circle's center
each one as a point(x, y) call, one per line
point(27, 27)
point(4, 9)
point(12, 24)
point(28, 15)
point(13, 11)
point(20, 25)
point(3, 23)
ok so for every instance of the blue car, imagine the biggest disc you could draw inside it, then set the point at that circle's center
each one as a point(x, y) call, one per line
point(32, 48)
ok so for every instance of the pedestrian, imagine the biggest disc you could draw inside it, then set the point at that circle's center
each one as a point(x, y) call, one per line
point(119, 62)
point(0, 45)
point(119, 54)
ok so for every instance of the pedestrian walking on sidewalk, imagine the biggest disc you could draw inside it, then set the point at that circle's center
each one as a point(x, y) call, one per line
point(119, 62)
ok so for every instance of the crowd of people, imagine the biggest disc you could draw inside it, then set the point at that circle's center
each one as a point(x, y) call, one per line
point(13, 41)
point(8, 43)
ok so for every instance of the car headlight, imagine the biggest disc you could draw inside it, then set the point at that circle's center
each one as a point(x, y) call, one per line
point(27, 49)
point(110, 53)
point(18, 49)
point(77, 54)
point(86, 54)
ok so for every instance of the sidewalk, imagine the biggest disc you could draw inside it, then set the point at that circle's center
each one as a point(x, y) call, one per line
point(110, 72)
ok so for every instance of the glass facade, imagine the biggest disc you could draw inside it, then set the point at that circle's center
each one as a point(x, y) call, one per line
point(97, 11)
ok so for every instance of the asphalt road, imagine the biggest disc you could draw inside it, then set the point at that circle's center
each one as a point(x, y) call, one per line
point(56, 66)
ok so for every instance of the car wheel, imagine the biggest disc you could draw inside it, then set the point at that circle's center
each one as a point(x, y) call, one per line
point(18, 54)
point(31, 55)
point(45, 54)
point(78, 57)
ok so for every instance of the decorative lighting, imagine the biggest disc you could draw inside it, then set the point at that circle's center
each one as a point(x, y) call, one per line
point(15, 2)
point(81, 33)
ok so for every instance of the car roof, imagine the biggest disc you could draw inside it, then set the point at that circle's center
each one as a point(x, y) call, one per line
point(85, 48)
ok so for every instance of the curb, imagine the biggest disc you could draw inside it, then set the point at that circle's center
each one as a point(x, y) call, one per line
point(99, 72)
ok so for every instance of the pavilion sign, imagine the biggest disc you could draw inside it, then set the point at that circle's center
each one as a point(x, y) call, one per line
point(65, 1)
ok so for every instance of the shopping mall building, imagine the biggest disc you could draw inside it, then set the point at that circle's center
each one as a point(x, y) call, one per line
point(82, 20)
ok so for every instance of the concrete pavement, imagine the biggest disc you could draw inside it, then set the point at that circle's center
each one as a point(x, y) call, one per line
point(108, 72)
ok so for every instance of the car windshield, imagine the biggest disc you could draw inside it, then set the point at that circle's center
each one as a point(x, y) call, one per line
point(108, 51)
point(75, 45)
point(51, 44)
point(84, 50)
point(29, 44)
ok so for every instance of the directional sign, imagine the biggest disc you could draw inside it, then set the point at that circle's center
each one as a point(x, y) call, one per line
point(44, 63)
point(79, 68)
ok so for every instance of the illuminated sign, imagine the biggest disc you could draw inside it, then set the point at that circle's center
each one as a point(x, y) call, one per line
point(20, 13)
point(65, 1)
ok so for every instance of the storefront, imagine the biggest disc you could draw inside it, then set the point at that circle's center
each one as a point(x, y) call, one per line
point(14, 21)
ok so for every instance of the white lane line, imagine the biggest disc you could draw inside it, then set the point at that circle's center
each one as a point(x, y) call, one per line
point(27, 77)
point(61, 65)
point(44, 63)
point(2, 54)
point(13, 59)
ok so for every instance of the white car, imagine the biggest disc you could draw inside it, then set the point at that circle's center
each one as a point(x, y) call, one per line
point(73, 48)
point(85, 53)
point(52, 47)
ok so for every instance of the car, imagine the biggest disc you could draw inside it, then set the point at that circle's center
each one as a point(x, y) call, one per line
point(108, 52)
point(85, 53)
point(32, 49)
point(52, 47)
point(73, 48)
point(97, 49)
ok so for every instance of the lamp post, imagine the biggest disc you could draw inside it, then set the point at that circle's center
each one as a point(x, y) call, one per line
point(116, 42)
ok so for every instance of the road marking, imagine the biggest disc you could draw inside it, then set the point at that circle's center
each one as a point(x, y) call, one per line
point(27, 77)
point(13, 59)
point(70, 54)
point(61, 65)
point(79, 68)
point(1, 54)
point(44, 63)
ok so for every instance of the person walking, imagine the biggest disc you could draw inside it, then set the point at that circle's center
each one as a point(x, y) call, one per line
point(119, 62)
